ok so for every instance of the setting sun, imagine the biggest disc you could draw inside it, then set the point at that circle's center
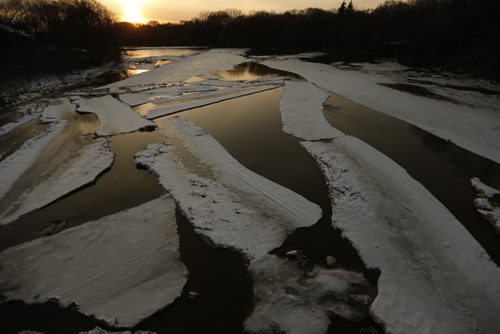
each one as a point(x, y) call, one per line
point(132, 11)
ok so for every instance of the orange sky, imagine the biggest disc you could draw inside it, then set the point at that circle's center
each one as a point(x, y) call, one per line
point(176, 10)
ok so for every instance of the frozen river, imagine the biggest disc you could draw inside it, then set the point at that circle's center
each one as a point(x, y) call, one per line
point(265, 170)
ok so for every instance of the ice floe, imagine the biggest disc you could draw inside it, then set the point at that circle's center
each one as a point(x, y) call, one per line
point(115, 117)
point(182, 69)
point(435, 277)
point(134, 99)
point(13, 166)
point(291, 300)
point(480, 134)
point(120, 269)
point(160, 112)
point(487, 203)
point(82, 169)
point(228, 204)
point(301, 108)
point(57, 110)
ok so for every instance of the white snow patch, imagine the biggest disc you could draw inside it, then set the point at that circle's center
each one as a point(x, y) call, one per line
point(121, 268)
point(160, 112)
point(84, 168)
point(13, 166)
point(182, 69)
point(435, 277)
point(57, 110)
point(233, 207)
point(485, 204)
point(6, 128)
point(301, 108)
point(114, 116)
point(289, 300)
point(480, 134)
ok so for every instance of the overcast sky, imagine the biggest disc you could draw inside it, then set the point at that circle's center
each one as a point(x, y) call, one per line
point(176, 10)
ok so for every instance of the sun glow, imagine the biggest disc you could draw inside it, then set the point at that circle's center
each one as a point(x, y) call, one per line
point(132, 11)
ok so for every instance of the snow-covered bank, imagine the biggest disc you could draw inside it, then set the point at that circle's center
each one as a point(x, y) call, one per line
point(479, 134)
point(160, 112)
point(228, 204)
point(115, 117)
point(13, 167)
point(435, 278)
point(289, 300)
point(121, 268)
point(81, 170)
point(485, 203)
point(302, 112)
point(182, 69)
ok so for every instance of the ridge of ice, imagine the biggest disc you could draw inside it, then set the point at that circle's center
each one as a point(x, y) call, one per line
point(120, 268)
point(115, 117)
point(301, 109)
point(90, 162)
point(435, 277)
point(234, 208)
point(485, 204)
point(160, 112)
point(289, 300)
point(479, 134)
point(13, 166)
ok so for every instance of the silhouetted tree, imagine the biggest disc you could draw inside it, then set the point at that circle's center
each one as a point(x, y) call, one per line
point(350, 8)
point(342, 9)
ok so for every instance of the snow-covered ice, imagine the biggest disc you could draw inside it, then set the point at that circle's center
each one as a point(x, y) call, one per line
point(135, 99)
point(290, 300)
point(479, 134)
point(486, 204)
point(182, 69)
point(228, 204)
point(301, 108)
point(160, 112)
point(57, 110)
point(86, 166)
point(435, 277)
point(120, 269)
point(115, 117)
point(14, 166)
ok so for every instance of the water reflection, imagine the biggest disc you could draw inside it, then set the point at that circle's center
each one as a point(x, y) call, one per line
point(254, 71)
point(158, 52)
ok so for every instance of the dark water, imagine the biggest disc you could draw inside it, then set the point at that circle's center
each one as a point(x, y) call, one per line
point(442, 167)
point(123, 187)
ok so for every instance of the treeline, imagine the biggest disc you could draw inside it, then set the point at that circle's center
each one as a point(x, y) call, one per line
point(461, 35)
point(54, 36)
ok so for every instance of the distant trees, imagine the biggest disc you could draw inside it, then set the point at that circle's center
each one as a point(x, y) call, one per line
point(63, 35)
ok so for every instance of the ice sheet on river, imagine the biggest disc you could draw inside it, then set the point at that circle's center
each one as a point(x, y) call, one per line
point(121, 268)
point(435, 278)
point(182, 69)
point(14, 166)
point(228, 204)
point(291, 300)
point(487, 203)
point(58, 109)
point(480, 134)
point(115, 117)
point(301, 108)
point(82, 169)
point(160, 112)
